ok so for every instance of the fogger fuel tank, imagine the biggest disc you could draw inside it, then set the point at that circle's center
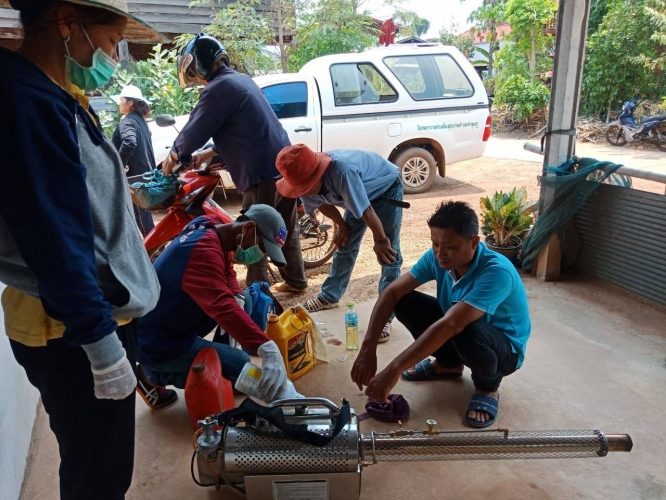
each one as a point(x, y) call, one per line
point(262, 463)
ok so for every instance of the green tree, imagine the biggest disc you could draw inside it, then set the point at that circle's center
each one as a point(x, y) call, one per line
point(330, 27)
point(284, 17)
point(624, 57)
point(656, 11)
point(410, 23)
point(464, 43)
point(243, 31)
point(527, 19)
point(485, 20)
point(524, 56)
point(598, 11)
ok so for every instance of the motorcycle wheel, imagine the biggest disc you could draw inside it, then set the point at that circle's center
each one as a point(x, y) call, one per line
point(659, 136)
point(317, 238)
point(615, 136)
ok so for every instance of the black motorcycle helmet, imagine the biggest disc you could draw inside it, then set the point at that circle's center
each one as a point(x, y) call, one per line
point(199, 58)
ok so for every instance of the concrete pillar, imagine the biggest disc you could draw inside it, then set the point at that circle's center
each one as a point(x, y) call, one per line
point(563, 110)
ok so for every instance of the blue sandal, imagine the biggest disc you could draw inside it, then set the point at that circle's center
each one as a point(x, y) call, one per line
point(483, 403)
point(425, 371)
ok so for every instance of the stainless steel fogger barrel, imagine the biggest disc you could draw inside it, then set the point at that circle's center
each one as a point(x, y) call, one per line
point(264, 464)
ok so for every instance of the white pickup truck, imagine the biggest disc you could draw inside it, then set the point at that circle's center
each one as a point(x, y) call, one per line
point(421, 106)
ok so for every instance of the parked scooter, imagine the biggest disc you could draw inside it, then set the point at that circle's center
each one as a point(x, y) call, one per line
point(624, 129)
point(194, 198)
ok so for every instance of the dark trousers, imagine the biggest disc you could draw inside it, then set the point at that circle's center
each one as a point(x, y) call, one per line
point(480, 346)
point(144, 219)
point(293, 273)
point(95, 436)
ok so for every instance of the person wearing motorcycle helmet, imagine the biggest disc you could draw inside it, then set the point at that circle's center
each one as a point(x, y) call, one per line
point(70, 254)
point(248, 136)
point(199, 61)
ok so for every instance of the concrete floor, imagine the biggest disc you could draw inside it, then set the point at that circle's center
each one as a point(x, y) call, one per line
point(595, 361)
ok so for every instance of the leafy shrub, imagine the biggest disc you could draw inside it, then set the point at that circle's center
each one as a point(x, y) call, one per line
point(506, 215)
point(522, 96)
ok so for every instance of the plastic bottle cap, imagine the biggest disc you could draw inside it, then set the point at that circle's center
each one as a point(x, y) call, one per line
point(198, 367)
point(273, 318)
point(350, 304)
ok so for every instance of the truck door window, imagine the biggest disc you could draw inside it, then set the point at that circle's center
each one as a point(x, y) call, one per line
point(435, 76)
point(288, 100)
point(360, 83)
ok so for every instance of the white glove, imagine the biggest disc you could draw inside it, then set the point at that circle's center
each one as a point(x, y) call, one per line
point(112, 372)
point(115, 382)
point(240, 300)
point(274, 375)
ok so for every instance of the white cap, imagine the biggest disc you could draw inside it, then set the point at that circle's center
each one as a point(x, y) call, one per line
point(130, 92)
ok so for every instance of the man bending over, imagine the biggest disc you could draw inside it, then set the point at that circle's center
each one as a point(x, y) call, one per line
point(199, 292)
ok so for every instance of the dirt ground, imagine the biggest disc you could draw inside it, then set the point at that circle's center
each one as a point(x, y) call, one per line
point(467, 181)
point(505, 165)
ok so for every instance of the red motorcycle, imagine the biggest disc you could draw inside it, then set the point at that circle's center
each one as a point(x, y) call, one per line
point(194, 198)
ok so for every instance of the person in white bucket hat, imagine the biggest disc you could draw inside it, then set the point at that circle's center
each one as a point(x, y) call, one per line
point(133, 140)
point(71, 257)
point(130, 92)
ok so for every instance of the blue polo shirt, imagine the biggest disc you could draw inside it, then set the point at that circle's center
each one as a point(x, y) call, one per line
point(491, 285)
point(353, 179)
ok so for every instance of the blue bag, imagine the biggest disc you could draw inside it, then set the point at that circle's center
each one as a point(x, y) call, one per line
point(262, 302)
point(154, 190)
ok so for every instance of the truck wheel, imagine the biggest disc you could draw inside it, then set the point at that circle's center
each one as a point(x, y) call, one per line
point(418, 168)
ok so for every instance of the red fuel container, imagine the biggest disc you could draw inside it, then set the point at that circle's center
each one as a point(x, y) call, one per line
point(207, 392)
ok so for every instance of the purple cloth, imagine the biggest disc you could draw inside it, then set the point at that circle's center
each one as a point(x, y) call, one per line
point(396, 409)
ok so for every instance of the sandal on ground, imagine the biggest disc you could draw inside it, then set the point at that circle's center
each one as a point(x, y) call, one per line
point(284, 287)
point(479, 402)
point(317, 304)
point(386, 333)
point(425, 371)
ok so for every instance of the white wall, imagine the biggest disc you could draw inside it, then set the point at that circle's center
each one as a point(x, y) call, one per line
point(18, 405)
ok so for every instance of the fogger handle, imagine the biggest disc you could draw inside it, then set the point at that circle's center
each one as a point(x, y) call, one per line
point(300, 402)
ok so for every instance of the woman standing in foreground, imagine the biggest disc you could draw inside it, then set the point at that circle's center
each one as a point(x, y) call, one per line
point(66, 232)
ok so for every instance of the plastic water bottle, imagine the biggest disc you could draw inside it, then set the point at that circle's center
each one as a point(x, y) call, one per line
point(351, 327)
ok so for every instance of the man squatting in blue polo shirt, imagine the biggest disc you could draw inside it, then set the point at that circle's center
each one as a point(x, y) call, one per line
point(479, 319)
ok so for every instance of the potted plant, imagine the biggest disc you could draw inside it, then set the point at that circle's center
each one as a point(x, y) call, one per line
point(505, 217)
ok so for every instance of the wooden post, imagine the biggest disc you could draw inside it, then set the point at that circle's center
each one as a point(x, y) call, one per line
point(124, 55)
point(563, 110)
point(283, 55)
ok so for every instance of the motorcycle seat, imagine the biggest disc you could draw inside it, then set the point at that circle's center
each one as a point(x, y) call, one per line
point(653, 118)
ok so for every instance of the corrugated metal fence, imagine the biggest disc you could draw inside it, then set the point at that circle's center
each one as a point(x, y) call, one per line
point(623, 233)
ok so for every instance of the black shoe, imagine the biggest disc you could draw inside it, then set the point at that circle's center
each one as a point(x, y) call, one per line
point(155, 396)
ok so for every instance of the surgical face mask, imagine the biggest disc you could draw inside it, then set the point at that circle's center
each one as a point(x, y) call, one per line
point(250, 256)
point(94, 77)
